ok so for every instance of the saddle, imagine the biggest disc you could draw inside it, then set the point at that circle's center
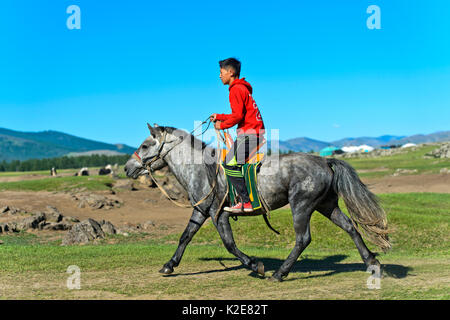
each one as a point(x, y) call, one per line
point(250, 172)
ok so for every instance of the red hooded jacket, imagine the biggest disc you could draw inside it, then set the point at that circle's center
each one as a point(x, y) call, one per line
point(245, 112)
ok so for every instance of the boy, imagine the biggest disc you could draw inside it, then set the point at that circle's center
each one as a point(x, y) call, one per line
point(250, 129)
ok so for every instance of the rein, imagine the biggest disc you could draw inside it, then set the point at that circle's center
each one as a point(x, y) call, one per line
point(159, 156)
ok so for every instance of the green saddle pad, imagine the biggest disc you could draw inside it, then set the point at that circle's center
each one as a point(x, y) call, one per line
point(249, 171)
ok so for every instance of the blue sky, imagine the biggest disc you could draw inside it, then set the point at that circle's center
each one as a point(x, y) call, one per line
point(316, 69)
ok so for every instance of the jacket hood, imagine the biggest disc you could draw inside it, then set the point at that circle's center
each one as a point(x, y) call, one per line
point(243, 82)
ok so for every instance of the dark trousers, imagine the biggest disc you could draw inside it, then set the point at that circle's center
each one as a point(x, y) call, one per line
point(236, 158)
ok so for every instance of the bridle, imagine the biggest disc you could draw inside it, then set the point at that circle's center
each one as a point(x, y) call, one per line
point(162, 142)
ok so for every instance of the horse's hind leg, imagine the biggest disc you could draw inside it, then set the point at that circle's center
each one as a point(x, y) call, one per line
point(301, 213)
point(226, 234)
point(331, 210)
point(196, 221)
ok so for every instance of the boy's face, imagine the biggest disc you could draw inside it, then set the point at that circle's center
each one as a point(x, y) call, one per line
point(226, 75)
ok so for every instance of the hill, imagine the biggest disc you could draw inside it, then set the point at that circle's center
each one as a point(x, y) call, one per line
point(16, 145)
point(306, 144)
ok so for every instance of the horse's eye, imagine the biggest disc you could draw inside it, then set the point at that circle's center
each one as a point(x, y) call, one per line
point(144, 147)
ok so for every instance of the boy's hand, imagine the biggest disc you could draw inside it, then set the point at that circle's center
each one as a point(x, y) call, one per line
point(213, 117)
point(217, 125)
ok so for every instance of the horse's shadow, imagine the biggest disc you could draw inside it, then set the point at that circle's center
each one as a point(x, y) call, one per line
point(325, 267)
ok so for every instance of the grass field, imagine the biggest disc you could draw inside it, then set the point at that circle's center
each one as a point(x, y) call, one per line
point(417, 267)
point(59, 184)
point(386, 165)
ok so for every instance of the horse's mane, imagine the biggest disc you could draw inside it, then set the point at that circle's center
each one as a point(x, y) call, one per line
point(195, 143)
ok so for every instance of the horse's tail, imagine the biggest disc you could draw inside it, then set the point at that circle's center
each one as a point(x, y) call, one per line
point(363, 206)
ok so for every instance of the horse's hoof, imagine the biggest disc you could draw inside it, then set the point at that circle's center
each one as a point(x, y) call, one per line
point(274, 279)
point(374, 262)
point(166, 270)
point(260, 269)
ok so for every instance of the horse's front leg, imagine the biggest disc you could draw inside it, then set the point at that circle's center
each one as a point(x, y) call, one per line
point(196, 221)
point(226, 234)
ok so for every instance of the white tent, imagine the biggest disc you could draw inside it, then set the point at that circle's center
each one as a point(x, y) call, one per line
point(350, 149)
point(407, 145)
point(361, 148)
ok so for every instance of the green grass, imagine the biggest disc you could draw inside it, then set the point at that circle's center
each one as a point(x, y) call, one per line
point(416, 268)
point(59, 184)
point(409, 215)
point(40, 172)
point(410, 160)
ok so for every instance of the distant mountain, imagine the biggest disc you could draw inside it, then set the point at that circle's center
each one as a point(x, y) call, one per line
point(16, 145)
point(420, 138)
point(300, 144)
point(307, 144)
point(374, 142)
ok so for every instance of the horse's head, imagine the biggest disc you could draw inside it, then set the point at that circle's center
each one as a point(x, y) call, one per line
point(150, 153)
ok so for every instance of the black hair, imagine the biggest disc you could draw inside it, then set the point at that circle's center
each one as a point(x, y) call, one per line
point(233, 63)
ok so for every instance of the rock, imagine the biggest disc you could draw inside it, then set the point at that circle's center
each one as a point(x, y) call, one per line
point(403, 171)
point(87, 231)
point(444, 170)
point(147, 181)
point(11, 210)
point(52, 219)
point(53, 215)
point(108, 227)
point(96, 201)
point(30, 222)
point(148, 225)
point(69, 220)
point(9, 227)
point(442, 152)
point(42, 225)
point(83, 232)
point(125, 184)
point(54, 226)
point(128, 228)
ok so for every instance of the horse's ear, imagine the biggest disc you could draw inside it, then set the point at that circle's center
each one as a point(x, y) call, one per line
point(152, 130)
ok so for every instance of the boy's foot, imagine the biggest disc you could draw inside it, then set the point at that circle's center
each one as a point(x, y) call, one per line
point(246, 207)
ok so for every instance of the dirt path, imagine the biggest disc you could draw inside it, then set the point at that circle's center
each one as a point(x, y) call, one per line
point(138, 207)
point(439, 183)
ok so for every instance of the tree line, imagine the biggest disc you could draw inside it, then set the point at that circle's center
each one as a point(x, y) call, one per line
point(65, 162)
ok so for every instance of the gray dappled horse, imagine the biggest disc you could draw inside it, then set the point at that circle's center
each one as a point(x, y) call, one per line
point(308, 183)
